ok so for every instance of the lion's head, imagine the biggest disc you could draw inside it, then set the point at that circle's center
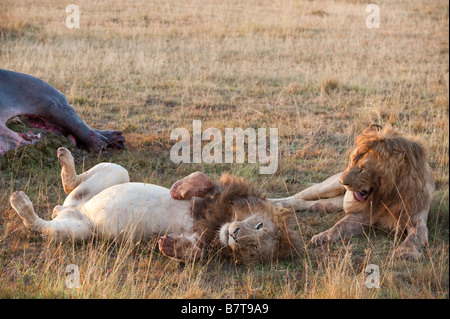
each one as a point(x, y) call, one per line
point(244, 225)
point(388, 169)
point(260, 233)
point(362, 175)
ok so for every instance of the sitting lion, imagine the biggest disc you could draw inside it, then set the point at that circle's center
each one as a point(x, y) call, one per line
point(196, 215)
point(388, 183)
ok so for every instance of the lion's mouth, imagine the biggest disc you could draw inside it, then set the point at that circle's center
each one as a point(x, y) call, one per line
point(362, 196)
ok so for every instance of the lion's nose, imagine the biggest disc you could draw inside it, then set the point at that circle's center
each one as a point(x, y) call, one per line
point(234, 234)
point(343, 181)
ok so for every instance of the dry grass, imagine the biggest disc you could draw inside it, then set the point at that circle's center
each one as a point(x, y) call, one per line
point(310, 68)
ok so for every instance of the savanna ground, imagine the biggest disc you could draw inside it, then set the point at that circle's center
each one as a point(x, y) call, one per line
point(310, 68)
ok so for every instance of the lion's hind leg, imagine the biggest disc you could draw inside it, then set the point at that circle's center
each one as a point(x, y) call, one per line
point(24, 208)
point(325, 196)
point(69, 225)
point(329, 188)
point(329, 205)
point(69, 176)
point(81, 188)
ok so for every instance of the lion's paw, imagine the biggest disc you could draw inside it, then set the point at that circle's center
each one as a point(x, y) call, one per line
point(195, 184)
point(321, 239)
point(23, 206)
point(408, 253)
point(64, 156)
point(178, 247)
point(20, 200)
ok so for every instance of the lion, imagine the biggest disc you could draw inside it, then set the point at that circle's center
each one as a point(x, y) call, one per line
point(388, 183)
point(196, 216)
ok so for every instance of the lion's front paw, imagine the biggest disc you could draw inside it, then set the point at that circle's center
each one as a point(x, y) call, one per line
point(167, 246)
point(321, 239)
point(178, 247)
point(195, 184)
point(408, 253)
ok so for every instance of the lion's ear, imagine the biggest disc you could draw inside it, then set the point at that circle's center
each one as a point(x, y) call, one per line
point(373, 128)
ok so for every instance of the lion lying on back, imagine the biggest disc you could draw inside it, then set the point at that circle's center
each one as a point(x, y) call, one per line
point(388, 183)
point(196, 216)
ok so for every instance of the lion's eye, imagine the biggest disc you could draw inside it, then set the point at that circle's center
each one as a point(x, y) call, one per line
point(360, 170)
point(259, 226)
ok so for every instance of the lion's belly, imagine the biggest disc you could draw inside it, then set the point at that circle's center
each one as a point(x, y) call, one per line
point(138, 210)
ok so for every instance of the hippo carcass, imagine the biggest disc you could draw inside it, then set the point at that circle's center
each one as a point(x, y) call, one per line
point(45, 107)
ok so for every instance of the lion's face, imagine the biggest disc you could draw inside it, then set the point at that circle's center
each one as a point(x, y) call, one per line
point(238, 222)
point(254, 238)
point(361, 176)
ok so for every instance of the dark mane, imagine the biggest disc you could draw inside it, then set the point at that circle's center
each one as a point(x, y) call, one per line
point(221, 206)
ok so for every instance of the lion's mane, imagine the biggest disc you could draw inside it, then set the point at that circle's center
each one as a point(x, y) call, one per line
point(404, 176)
point(234, 199)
